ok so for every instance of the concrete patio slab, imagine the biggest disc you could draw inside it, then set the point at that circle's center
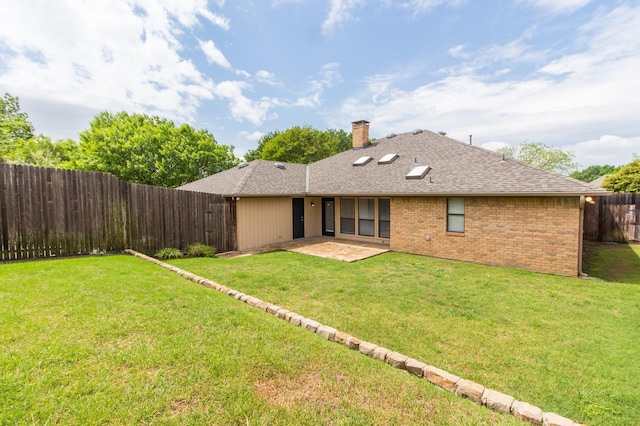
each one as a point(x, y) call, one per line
point(327, 247)
point(346, 252)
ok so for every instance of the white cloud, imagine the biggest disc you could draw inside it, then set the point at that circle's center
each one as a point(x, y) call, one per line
point(327, 77)
point(594, 90)
point(105, 55)
point(219, 20)
point(254, 136)
point(558, 6)
point(340, 11)
point(458, 51)
point(213, 54)
point(425, 6)
point(607, 149)
point(267, 77)
point(242, 108)
point(494, 145)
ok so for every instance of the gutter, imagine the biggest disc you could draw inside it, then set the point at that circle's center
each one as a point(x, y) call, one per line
point(581, 238)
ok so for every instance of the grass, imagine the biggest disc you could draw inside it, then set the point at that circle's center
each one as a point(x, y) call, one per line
point(613, 262)
point(116, 340)
point(568, 345)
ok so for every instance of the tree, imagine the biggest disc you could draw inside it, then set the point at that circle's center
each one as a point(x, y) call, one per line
point(40, 151)
point(592, 173)
point(541, 155)
point(15, 126)
point(301, 145)
point(18, 144)
point(150, 150)
point(255, 154)
point(627, 179)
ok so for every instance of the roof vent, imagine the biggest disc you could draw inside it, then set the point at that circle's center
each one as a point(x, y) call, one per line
point(362, 161)
point(442, 133)
point(391, 135)
point(418, 172)
point(280, 166)
point(243, 165)
point(417, 131)
point(388, 159)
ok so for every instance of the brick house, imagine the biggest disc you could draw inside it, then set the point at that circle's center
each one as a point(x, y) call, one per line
point(419, 192)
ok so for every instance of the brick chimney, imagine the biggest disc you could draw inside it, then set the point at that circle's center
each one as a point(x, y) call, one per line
point(360, 133)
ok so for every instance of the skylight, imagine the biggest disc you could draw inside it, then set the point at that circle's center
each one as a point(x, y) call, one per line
point(388, 159)
point(362, 161)
point(418, 172)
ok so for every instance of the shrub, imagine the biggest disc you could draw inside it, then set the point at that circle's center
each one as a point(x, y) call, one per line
point(200, 250)
point(169, 253)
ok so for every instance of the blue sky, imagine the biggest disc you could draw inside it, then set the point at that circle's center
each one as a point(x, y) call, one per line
point(566, 73)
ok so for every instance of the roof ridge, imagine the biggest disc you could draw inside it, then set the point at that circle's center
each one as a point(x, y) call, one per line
point(242, 182)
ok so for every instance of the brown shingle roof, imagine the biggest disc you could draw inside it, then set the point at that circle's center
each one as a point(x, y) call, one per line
point(456, 169)
point(258, 178)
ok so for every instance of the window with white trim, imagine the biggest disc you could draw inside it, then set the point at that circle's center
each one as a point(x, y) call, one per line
point(455, 215)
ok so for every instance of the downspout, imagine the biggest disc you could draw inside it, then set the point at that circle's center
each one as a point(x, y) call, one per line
point(581, 238)
point(306, 183)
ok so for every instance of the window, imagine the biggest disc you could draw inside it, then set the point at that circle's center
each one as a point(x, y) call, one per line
point(388, 159)
point(418, 172)
point(384, 218)
point(348, 215)
point(455, 214)
point(362, 161)
point(366, 217)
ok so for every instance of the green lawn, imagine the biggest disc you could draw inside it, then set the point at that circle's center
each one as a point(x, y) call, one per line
point(119, 340)
point(568, 345)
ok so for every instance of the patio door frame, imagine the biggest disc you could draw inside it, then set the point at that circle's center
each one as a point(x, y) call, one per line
point(328, 203)
point(298, 217)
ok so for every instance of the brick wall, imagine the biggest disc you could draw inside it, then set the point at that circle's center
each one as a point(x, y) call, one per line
point(535, 233)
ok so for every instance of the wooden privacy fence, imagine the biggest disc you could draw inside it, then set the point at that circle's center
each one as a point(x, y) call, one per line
point(51, 212)
point(613, 219)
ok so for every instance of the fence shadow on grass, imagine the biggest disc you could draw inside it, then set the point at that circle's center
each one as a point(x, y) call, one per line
point(614, 262)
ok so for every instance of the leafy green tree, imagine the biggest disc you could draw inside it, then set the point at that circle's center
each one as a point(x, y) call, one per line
point(627, 179)
point(19, 144)
point(592, 173)
point(255, 154)
point(36, 151)
point(150, 150)
point(544, 156)
point(301, 145)
point(15, 126)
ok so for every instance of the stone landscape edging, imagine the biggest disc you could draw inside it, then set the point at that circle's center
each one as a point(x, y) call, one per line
point(476, 392)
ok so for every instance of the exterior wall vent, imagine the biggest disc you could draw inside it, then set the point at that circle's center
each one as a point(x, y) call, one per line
point(362, 161)
point(388, 159)
point(418, 172)
point(280, 166)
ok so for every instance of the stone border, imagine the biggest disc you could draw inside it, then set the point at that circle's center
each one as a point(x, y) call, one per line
point(476, 392)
